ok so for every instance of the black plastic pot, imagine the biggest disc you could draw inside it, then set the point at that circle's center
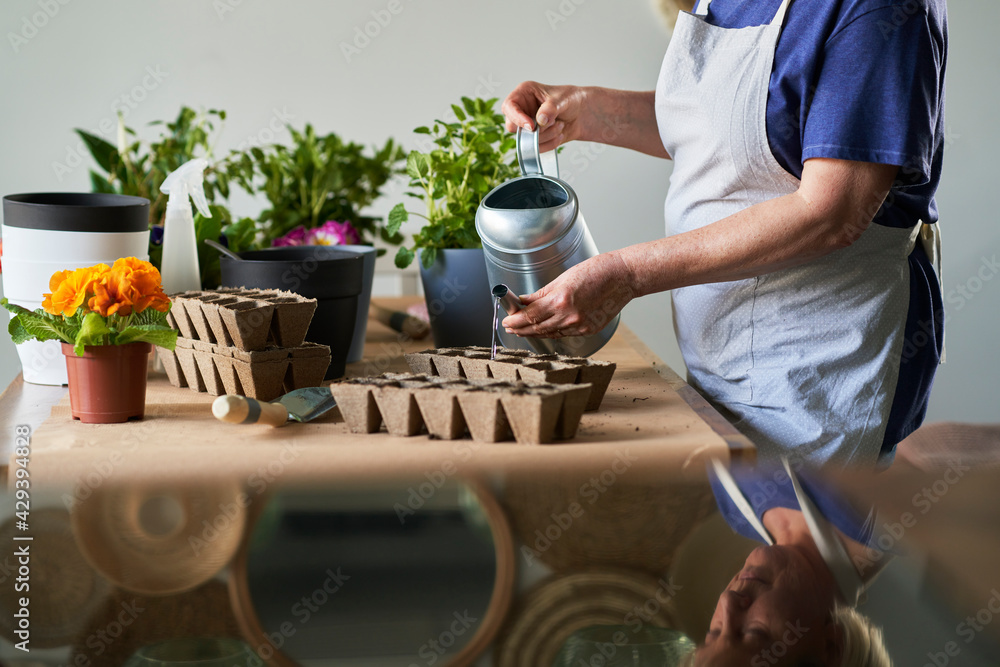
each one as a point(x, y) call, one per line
point(332, 277)
point(459, 300)
point(76, 212)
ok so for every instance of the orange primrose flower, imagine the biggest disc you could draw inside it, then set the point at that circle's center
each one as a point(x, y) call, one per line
point(131, 286)
point(70, 289)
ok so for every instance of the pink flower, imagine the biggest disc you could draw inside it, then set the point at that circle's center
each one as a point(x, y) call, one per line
point(334, 233)
point(329, 233)
point(297, 236)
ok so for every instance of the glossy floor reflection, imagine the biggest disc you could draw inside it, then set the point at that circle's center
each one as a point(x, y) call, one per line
point(522, 569)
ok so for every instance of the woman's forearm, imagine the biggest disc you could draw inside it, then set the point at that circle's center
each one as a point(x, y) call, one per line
point(833, 207)
point(835, 202)
point(623, 118)
point(772, 235)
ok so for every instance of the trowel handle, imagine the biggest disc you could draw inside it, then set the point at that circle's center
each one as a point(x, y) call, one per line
point(243, 410)
point(414, 327)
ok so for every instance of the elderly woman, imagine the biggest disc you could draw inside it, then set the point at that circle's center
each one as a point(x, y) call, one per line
point(807, 141)
point(793, 601)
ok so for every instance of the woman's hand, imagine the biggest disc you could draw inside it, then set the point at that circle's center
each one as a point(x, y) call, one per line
point(557, 110)
point(566, 113)
point(579, 302)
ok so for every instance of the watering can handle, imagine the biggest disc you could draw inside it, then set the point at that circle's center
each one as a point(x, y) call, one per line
point(530, 158)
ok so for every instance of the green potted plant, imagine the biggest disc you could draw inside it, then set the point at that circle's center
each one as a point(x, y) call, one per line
point(317, 188)
point(138, 167)
point(470, 157)
point(315, 180)
point(107, 318)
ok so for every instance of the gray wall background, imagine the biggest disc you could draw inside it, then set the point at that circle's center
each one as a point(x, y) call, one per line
point(74, 63)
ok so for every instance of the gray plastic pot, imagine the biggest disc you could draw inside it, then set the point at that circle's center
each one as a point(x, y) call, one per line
point(458, 296)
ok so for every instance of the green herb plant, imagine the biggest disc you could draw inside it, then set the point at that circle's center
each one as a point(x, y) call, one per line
point(137, 167)
point(471, 157)
point(315, 179)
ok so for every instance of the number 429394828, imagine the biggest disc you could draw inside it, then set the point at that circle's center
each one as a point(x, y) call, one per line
point(22, 450)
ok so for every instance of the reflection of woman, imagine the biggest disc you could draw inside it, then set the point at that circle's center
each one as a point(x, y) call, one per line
point(792, 603)
point(806, 152)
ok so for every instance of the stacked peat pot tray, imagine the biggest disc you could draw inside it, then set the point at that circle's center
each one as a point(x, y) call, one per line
point(528, 397)
point(244, 342)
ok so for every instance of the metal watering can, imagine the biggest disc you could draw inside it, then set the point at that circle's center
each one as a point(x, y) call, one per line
point(532, 231)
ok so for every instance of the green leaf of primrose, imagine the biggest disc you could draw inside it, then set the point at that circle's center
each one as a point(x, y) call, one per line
point(147, 333)
point(92, 332)
point(397, 216)
point(149, 317)
point(422, 130)
point(458, 112)
point(37, 325)
point(18, 334)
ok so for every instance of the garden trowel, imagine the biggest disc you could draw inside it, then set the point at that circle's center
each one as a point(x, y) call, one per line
point(301, 405)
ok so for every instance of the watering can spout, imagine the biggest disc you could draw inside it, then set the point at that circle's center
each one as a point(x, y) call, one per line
point(511, 304)
point(508, 300)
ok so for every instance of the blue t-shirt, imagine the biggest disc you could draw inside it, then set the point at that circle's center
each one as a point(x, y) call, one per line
point(863, 80)
point(857, 80)
point(766, 487)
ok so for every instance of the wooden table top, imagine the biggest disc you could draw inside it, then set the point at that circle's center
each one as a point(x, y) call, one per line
point(648, 411)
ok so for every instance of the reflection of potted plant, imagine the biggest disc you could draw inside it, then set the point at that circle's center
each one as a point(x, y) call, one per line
point(471, 157)
point(107, 318)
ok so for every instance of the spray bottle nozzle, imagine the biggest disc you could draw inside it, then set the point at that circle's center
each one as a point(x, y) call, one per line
point(188, 180)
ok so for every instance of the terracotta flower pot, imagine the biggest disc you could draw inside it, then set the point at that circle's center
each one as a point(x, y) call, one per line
point(107, 385)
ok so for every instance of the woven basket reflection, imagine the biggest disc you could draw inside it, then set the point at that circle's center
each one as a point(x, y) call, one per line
point(547, 616)
point(569, 522)
point(127, 622)
point(65, 589)
point(158, 540)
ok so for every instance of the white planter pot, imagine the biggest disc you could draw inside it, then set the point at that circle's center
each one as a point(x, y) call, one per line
point(72, 247)
point(48, 232)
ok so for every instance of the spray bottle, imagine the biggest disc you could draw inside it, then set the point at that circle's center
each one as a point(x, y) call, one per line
point(179, 269)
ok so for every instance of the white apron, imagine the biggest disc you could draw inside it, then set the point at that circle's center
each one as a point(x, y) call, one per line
point(804, 361)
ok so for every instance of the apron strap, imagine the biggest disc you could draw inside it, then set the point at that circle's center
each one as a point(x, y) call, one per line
point(702, 8)
point(779, 17)
point(849, 582)
point(930, 239)
point(740, 500)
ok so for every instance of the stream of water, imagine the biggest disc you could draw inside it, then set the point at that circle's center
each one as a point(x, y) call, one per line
point(496, 323)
